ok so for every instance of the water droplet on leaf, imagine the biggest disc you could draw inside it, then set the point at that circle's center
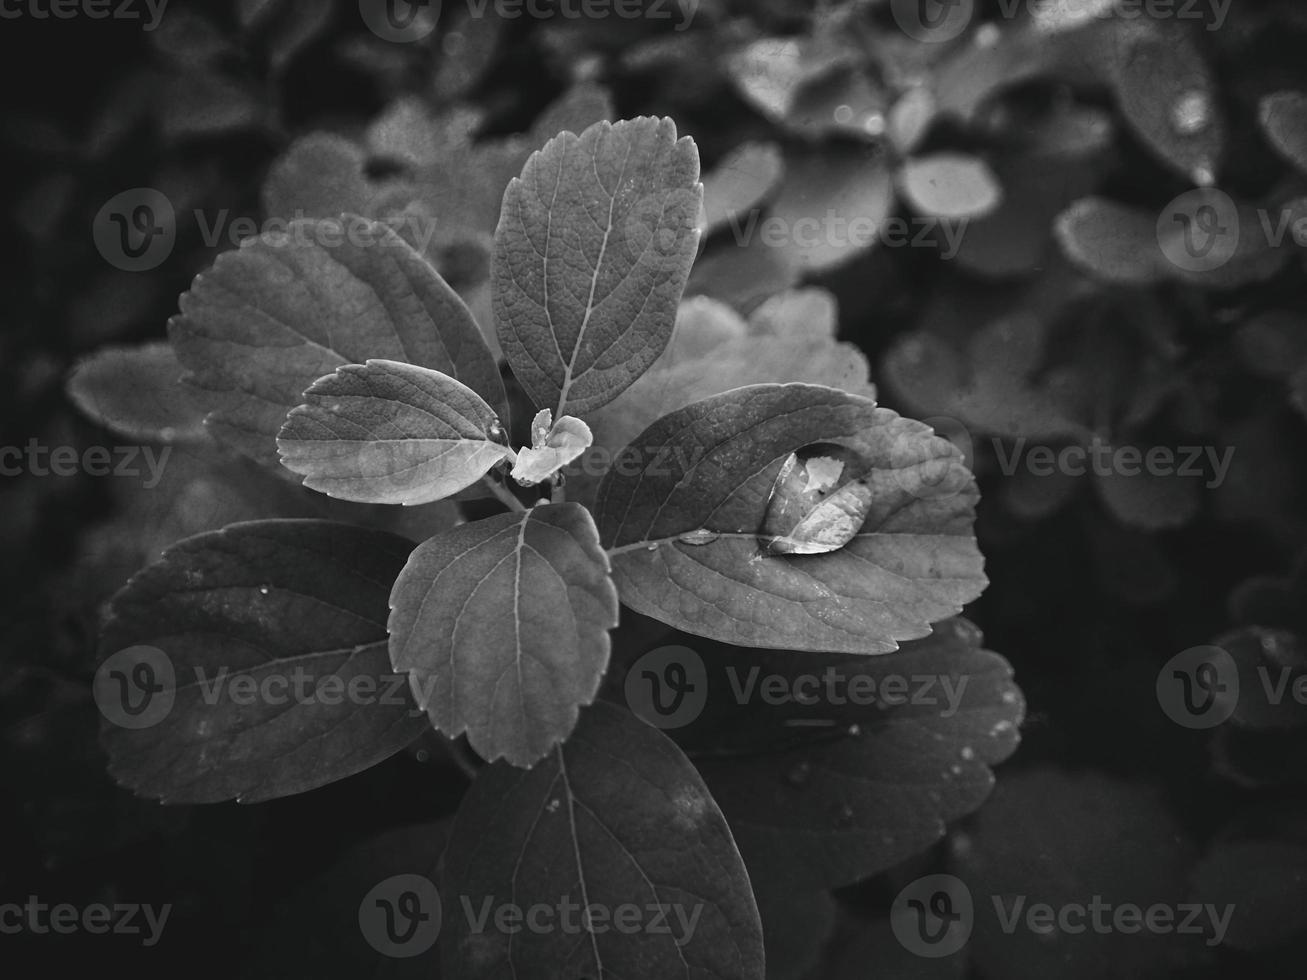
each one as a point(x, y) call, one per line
point(700, 536)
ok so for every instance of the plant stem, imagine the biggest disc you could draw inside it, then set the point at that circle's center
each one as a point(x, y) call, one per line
point(503, 494)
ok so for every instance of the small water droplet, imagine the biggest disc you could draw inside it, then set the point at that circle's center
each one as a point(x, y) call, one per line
point(1191, 113)
point(651, 547)
point(844, 114)
point(1009, 697)
point(874, 124)
point(799, 774)
point(853, 730)
point(955, 769)
point(987, 35)
point(552, 806)
point(699, 536)
point(844, 816)
point(167, 433)
point(968, 753)
point(263, 590)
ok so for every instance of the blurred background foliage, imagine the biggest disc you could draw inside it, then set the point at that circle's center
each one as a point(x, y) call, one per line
point(1059, 141)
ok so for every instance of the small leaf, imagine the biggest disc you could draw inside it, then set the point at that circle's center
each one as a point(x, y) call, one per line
point(502, 625)
point(592, 251)
point(272, 317)
point(744, 179)
point(616, 819)
point(950, 185)
point(1284, 119)
point(553, 446)
point(390, 433)
point(1166, 91)
point(710, 467)
point(136, 392)
point(772, 72)
point(264, 628)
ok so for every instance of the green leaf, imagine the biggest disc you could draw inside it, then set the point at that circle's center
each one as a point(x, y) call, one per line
point(950, 185)
point(839, 786)
point(135, 392)
point(616, 819)
point(744, 179)
point(1073, 839)
point(592, 251)
point(683, 508)
point(1284, 119)
point(503, 626)
point(1167, 92)
point(790, 337)
point(285, 309)
point(390, 433)
point(251, 664)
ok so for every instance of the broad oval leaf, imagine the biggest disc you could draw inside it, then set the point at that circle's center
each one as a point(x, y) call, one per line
point(251, 663)
point(844, 779)
point(502, 625)
point(950, 185)
point(683, 507)
point(615, 819)
point(1167, 93)
point(592, 252)
point(390, 433)
point(1283, 117)
point(135, 392)
point(285, 309)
